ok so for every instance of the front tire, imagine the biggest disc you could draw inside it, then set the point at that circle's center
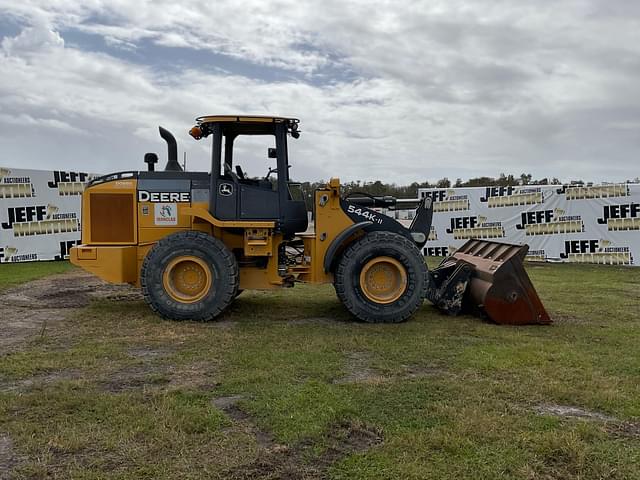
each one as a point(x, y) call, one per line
point(189, 276)
point(382, 278)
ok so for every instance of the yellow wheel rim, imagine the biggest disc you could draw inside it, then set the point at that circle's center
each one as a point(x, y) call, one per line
point(187, 279)
point(383, 280)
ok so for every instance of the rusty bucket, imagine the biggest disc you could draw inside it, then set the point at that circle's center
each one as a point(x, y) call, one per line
point(489, 278)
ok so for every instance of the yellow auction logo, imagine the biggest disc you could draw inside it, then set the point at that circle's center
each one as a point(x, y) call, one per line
point(516, 199)
point(579, 192)
point(536, 256)
point(549, 222)
point(15, 187)
point(625, 216)
point(40, 220)
point(596, 251)
point(69, 183)
point(447, 200)
point(475, 227)
point(510, 196)
point(9, 254)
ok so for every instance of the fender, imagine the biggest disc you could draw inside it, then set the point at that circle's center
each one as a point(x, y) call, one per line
point(377, 221)
point(339, 240)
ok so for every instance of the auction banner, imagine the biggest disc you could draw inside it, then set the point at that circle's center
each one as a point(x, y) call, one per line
point(580, 224)
point(39, 213)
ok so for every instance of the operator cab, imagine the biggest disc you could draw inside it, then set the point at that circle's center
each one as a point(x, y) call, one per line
point(235, 196)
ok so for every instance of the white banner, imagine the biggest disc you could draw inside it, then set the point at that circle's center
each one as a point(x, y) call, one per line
point(594, 224)
point(40, 218)
point(39, 213)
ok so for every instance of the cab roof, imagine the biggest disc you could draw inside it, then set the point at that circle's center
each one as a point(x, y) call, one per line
point(244, 119)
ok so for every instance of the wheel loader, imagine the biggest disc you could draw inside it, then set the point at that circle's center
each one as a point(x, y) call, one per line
point(192, 241)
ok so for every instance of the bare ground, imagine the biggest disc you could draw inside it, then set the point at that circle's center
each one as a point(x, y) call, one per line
point(359, 369)
point(274, 460)
point(613, 425)
point(7, 458)
point(41, 306)
point(30, 309)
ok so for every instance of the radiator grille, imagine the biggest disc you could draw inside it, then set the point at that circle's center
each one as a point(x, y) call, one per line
point(112, 218)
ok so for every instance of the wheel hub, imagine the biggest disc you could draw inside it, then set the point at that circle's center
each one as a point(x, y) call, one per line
point(187, 279)
point(383, 280)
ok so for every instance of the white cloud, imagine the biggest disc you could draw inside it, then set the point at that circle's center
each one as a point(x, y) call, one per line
point(418, 91)
point(38, 37)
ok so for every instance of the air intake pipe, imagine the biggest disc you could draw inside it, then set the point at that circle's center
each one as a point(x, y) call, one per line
point(172, 147)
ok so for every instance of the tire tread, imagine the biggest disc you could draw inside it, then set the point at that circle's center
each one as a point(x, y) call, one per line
point(380, 241)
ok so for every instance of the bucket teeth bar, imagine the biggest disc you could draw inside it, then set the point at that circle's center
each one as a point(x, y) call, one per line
point(488, 278)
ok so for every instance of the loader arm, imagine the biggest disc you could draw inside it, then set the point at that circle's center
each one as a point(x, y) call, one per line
point(418, 232)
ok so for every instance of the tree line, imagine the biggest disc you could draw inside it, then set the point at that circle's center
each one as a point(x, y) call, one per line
point(411, 191)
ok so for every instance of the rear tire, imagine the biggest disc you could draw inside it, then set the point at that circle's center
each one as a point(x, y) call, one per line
point(189, 276)
point(382, 278)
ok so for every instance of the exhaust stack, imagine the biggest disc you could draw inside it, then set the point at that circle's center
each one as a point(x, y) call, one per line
point(172, 151)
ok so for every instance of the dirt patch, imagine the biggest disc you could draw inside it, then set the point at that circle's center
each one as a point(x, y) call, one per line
point(302, 462)
point(150, 374)
point(39, 381)
point(573, 412)
point(242, 421)
point(224, 324)
point(225, 403)
point(421, 371)
point(150, 353)
point(135, 377)
point(613, 425)
point(314, 321)
point(625, 429)
point(18, 325)
point(30, 309)
point(561, 318)
point(7, 459)
point(358, 369)
point(198, 375)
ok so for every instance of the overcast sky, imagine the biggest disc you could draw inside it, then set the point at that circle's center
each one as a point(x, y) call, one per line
point(397, 91)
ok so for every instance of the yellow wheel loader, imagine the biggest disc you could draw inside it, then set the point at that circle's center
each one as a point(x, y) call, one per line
point(193, 240)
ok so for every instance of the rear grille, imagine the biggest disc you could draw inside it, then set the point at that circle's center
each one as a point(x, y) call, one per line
point(111, 218)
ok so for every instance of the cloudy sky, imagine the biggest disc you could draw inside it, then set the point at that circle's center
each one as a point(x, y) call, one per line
point(398, 91)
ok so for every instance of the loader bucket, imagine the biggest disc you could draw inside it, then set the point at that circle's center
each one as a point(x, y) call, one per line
point(494, 281)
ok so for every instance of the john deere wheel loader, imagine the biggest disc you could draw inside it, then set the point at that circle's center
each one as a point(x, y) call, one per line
point(194, 240)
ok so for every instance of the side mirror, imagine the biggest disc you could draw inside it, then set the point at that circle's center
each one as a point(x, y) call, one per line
point(272, 153)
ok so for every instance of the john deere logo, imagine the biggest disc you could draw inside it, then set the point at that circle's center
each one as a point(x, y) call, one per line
point(225, 189)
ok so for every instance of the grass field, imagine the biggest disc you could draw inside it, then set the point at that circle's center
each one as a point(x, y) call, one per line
point(287, 385)
point(16, 273)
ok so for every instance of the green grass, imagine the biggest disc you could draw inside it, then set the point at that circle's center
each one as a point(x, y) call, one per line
point(15, 273)
point(116, 392)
